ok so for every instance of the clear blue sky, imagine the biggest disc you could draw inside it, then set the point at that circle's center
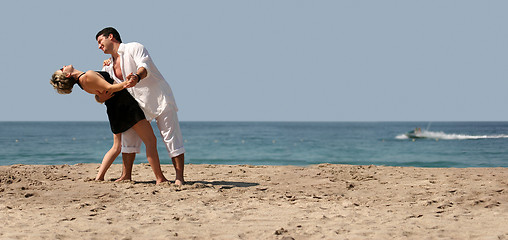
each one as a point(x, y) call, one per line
point(284, 60)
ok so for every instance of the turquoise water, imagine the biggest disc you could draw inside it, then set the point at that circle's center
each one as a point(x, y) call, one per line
point(448, 144)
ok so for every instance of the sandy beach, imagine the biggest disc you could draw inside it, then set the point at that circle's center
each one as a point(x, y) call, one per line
point(323, 201)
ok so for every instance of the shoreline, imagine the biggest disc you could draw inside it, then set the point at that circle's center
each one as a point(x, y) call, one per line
point(327, 201)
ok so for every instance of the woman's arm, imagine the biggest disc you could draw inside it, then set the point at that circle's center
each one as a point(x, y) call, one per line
point(96, 82)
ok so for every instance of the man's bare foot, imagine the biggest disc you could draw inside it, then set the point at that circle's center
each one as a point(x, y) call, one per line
point(99, 179)
point(179, 182)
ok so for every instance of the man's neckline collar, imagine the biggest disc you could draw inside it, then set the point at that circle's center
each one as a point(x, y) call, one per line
point(121, 48)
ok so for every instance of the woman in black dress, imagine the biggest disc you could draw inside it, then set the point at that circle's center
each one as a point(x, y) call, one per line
point(123, 112)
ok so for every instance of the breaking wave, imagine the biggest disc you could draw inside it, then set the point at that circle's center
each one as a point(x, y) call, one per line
point(452, 136)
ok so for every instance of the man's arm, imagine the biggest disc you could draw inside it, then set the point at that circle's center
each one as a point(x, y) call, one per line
point(141, 57)
point(134, 78)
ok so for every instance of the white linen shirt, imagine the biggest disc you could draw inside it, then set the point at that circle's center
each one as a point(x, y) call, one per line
point(153, 93)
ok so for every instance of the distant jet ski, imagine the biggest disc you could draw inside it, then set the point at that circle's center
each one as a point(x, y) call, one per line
point(417, 133)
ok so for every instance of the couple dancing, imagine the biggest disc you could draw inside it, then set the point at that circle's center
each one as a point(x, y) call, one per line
point(130, 111)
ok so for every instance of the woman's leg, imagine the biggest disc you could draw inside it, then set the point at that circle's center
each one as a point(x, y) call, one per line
point(110, 156)
point(145, 132)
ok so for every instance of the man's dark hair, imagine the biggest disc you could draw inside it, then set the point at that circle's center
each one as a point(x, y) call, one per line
point(109, 30)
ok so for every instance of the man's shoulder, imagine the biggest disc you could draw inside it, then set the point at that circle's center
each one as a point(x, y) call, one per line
point(107, 68)
point(134, 45)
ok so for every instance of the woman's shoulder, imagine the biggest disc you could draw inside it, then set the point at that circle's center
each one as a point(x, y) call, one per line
point(87, 74)
point(91, 76)
point(90, 72)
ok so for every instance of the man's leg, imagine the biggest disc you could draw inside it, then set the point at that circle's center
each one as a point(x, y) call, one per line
point(128, 163)
point(179, 163)
point(171, 134)
point(131, 144)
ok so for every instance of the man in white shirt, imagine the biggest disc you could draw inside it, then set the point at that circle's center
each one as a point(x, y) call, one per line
point(131, 61)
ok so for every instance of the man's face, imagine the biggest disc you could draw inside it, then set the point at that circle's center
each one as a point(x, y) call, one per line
point(105, 43)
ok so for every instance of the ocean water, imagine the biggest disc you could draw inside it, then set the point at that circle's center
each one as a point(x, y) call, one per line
point(446, 144)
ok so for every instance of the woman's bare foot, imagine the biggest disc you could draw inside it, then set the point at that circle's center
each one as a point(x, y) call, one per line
point(123, 178)
point(161, 181)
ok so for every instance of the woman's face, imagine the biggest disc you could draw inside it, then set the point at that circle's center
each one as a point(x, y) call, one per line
point(67, 69)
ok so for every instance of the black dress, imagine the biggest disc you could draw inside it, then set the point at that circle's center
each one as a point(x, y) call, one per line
point(123, 110)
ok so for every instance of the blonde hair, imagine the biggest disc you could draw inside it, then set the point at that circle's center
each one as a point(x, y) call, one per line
point(61, 83)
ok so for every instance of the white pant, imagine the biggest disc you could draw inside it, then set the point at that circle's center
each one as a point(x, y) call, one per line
point(170, 131)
